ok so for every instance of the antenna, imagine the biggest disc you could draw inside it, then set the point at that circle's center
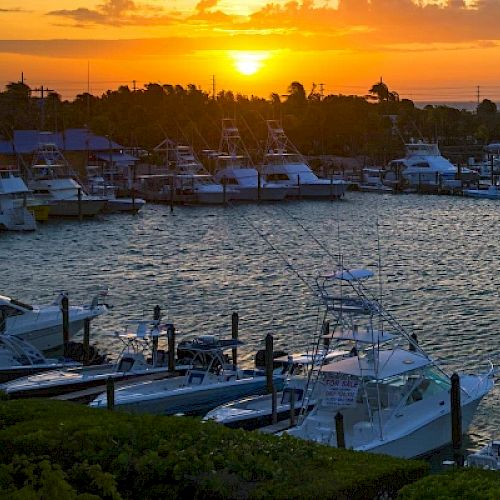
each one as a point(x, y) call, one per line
point(478, 93)
point(213, 87)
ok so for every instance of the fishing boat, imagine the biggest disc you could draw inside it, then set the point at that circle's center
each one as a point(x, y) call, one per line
point(285, 166)
point(19, 359)
point(424, 167)
point(234, 168)
point(97, 185)
point(487, 457)
point(41, 325)
point(210, 382)
point(392, 396)
point(132, 364)
point(254, 412)
point(14, 214)
point(492, 193)
point(52, 181)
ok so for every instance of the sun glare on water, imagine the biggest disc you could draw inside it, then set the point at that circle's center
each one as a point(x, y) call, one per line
point(248, 63)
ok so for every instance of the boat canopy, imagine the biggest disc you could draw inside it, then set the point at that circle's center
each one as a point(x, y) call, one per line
point(384, 364)
point(366, 336)
point(350, 275)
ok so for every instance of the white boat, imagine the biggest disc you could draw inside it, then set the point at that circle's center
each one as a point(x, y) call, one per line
point(423, 166)
point(211, 381)
point(254, 412)
point(51, 180)
point(189, 179)
point(285, 166)
point(132, 364)
point(14, 214)
point(41, 325)
point(393, 397)
point(487, 457)
point(492, 193)
point(98, 186)
point(18, 359)
point(235, 169)
point(371, 181)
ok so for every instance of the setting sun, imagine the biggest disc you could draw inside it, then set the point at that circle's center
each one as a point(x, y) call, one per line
point(248, 63)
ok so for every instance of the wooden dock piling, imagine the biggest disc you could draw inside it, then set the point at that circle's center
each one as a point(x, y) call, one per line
point(110, 393)
point(65, 322)
point(326, 333)
point(413, 343)
point(86, 341)
point(269, 363)
point(456, 420)
point(234, 336)
point(292, 407)
point(156, 317)
point(171, 347)
point(80, 211)
point(259, 181)
point(339, 430)
point(274, 412)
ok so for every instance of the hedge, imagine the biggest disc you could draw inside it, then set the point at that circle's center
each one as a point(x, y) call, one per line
point(458, 484)
point(54, 449)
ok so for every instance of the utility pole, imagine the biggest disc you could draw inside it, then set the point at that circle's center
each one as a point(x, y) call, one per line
point(213, 87)
point(321, 90)
point(22, 77)
point(134, 85)
point(42, 91)
point(478, 94)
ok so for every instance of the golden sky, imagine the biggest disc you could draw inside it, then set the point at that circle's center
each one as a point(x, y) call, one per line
point(424, 50)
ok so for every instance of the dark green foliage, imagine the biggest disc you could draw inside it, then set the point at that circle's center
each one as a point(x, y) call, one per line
point(458, 484)
point(53, 449)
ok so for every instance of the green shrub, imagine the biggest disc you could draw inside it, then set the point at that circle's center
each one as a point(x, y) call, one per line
point(73, 451)
point(459, 484)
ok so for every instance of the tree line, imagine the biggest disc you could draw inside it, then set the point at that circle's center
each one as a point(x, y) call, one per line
point(375, 125)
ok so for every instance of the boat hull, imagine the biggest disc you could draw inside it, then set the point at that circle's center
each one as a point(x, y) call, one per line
point(73, 208)
point(320, 190)
point(17, 219)
point(124, 205)
point(266, 194)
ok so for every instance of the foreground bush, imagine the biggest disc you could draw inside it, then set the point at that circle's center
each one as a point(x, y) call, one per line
point(52, 449)
point(459, 484)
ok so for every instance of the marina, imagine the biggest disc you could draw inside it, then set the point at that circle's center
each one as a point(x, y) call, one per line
point(200, 268)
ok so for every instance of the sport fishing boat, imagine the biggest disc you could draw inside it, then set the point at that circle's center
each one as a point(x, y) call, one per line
point(423, 166)
point(393, 397)
point(132, 364)
point(235, 169)
point(18, 359)
point(254, 412)
point(14, 214)
point(53, 181)
point(285, 166)
point(210, 382)
point(41, 325)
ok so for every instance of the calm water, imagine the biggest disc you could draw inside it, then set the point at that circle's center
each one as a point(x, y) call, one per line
point(439, 255)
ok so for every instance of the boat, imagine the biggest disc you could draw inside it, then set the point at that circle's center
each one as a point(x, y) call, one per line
point(234, 168)
point(285, 166)
point(188, 178)
point(210, 382)
point(19, 359)
point(371, 181)
point(132, 364)
point(254, 412)
point(41, 325)
point(492, 193)
point(487, 457)
point(423, 167)
point(393, 397)
point(97, 185)
point(52, 181)
point(14, 214)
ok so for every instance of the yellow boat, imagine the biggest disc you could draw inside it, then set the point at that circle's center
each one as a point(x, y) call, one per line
point(40, 211)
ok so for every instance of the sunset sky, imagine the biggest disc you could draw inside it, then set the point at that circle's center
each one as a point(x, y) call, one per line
point(424, 50)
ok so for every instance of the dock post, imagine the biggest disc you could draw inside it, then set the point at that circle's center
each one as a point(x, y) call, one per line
point(292, 407)
point(65, 322)
point(86, 341)
point(259, 187)
point(80, 213)
point(171, 193)
point(234, 336)
point(339, 430)
point(413, 343)
point(269, 363)
point(326, 333)
point(156, 317)
point(492, 164)
point(224, 192)
point(331, 187)
point(456, 419)
point(110, 393)
point(274, 398)
point(171, 347)
point(298, 184)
